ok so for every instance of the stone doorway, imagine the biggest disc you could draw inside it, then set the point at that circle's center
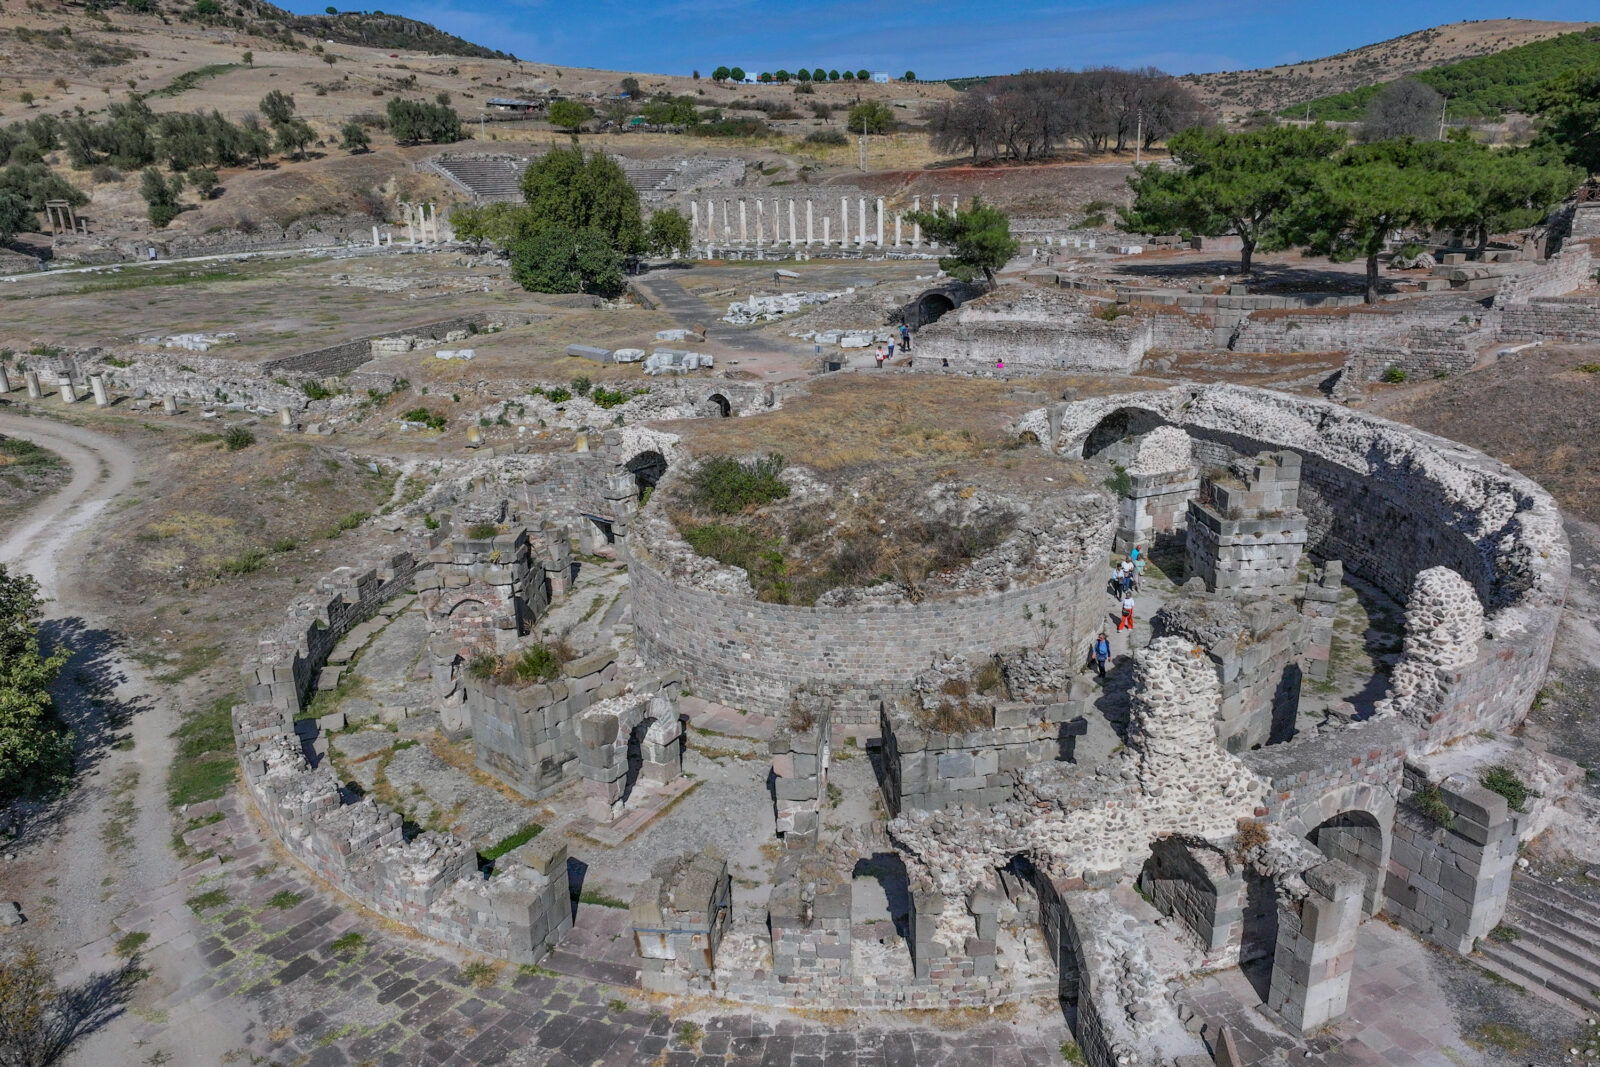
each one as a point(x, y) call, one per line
point(1355, 838)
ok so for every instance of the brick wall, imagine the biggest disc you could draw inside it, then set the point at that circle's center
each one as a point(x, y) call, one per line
point(1551, 320)
point(1561, 273)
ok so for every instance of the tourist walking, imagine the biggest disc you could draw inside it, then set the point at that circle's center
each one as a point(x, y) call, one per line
point(1102, 652)
point(878, 357)
point(1126, 622)
point(1000, 366)
point(905, 337)
point(1138, 566)
point(891, 348)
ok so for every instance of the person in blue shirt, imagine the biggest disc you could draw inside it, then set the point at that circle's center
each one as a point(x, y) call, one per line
point(1102, 652)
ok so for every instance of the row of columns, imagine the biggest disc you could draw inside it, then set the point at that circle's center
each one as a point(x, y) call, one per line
point(704, 223)
point(102, 396)
point(422, 224)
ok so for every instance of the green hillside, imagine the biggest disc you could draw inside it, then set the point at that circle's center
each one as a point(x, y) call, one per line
point(1481, 87)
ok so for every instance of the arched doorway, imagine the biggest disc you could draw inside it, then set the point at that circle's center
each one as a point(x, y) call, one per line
point(932, 307)
point(1355, 838)
point(647, 469)
point(720, 402)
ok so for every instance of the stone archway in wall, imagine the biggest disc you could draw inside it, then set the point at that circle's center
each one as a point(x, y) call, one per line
point(1193, 882)
point(931, 307)
point(647, 469)
point(1356, 839)
point(1354, 824)
point(1117, 426)
point(723, 407)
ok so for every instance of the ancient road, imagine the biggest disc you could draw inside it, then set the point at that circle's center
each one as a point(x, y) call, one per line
point(105, 848)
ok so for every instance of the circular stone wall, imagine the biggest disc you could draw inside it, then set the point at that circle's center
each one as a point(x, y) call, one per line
point(746, 653)
point(1389, 500)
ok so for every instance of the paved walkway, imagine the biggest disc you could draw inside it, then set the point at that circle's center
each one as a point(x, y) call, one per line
point(335, 986)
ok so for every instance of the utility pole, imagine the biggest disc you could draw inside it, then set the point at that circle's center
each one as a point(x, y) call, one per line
point(863, 143)
point(1443, 109)
point(1138, 138)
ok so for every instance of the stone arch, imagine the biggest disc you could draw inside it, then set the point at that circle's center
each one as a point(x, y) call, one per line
point(721, 403)
point(1122, 423)
point(647, 468)
point(932, 306)
point(1354, 824)
point(1028, 437)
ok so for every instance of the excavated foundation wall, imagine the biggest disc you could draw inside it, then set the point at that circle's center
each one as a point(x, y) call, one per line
point(752, 655)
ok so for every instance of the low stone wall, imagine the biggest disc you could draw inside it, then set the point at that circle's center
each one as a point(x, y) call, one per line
point(430, 882)
point(749, 654)
point(1561, 273)
point(1079, 342)
point(1552, 320)
point(346, 356)
point(925, 769)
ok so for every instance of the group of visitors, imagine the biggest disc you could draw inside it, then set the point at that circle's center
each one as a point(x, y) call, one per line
point(1126, 576)
point(885, 353)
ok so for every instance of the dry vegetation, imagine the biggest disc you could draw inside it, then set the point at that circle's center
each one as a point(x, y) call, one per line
point(27, 473)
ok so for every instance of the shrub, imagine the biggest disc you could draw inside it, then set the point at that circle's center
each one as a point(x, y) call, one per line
point(432, 420)
point(1505, 781)
point(1431, 804)
point(1394, 375)
point(483, 531)
point(237, 438)
point(510, 842)
point(482, 667)
point(1588, 368)
point(1121, 482)
point(827, 137)
point(540, 663)
point(727, 486)
point(316, 391)
point(558, 395)
point(581, 385)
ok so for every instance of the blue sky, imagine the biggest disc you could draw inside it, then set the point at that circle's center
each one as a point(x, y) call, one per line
point(942, 38)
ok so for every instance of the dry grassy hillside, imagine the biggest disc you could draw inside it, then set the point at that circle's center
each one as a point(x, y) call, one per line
point(1241, 91)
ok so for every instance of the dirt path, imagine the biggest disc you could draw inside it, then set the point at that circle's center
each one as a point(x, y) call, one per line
point(104, 849)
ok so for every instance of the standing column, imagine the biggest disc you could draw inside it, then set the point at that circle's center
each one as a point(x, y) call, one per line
point(916, 227)
point(955, 205)
point(808, 224)
point(792, 239)
point(744, 234)
point(69, 395)
point(761, 220)
point(411, 232)
point(844, 222)
point(694, 220)
point(827, 222)
point(861, 222)
point(933, 243)
point(727, 230)
point(880, 222)
point(898, 218)
point(5, 380)
point(97, 382)
point(31, 380)
point(377, 242)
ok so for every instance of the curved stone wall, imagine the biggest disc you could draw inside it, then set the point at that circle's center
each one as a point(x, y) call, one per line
point(1391, 501)
point(753, 655)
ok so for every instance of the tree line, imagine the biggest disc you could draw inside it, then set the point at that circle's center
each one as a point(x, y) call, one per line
point(1306, 187)
point(815, 74)
point(1030, 115)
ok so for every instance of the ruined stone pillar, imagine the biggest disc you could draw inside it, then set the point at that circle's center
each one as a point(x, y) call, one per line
point(744, 233)
point(97, 382)
point(388, 240)
point(792, 240)
point(761, 221)
point(955, 205)
point(808, 223)
point(286, 418)
point(844, 222)
point(69, 395)
point(826, 221)
point(377, 242)
point(861, 222)
point(880, 221)
point(726, 228)
point(169, 405)
point(411, 233)
point(694, 219)
point(1316, 947)
point(5, 380)
point(898, 219)
point(31, 379)
point(916, 227)
point(474, 435)
point(933, 243)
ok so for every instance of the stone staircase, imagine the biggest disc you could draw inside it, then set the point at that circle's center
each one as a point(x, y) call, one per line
point(485, 179)
point(1555, 950)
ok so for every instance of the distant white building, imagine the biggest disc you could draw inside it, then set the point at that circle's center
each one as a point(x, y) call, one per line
point(880, 75)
